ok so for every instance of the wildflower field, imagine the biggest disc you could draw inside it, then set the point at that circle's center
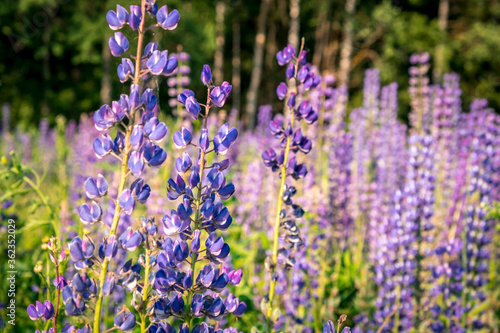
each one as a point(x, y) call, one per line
point(325, 212)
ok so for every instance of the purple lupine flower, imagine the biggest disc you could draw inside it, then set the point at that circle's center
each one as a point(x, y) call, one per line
point(285, 56)
point(281, 91)
point(219, 94)
point(206, 75)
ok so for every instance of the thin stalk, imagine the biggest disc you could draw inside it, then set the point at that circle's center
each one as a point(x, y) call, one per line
point(189, 318)
point(56, 314)
point(145, 290)
point(272, 285)
point(124, 173)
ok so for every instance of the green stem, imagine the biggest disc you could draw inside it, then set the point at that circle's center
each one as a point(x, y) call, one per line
point(145, 290)
point(272, 284)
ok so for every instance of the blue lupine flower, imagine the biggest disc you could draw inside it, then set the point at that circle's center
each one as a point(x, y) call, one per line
point(156, 62)
point(226, 192)
point(176, 188)
point(125, 70)
point(204, 140)
point(140, 190)
point(224, 138)
point(109, 285)
point(206, 75)
point(290, 71)
point(217, 250)
point(126, 201)
point(130, 239)
point(81, 250)
point(195, 243)
point(235, 277)
point(136, 163)
point(118, 19)
point(155, 130)
point(148, 99)
point(90, 213)
point(171, 65)
point(173, 225)
point(166, 20)
point(184, 163)
point(133, 99)
point(125, 321)
point(150, 48)
point(108, 247)
point(103, 147)
point(154, 155)
point(135, 17)
point(118, 44)
point(183, 138)
point(96, 188)
point(39, 310)
point(165, 280)
point(192, 106)
point(60, 282)
point(137, 136)
point(105, 117)
point(329, 327)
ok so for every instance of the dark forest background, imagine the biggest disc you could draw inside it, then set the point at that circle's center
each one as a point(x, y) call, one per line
point(54, 57)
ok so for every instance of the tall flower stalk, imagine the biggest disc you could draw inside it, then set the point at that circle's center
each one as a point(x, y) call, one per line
point(157, 63)
point(292, 141)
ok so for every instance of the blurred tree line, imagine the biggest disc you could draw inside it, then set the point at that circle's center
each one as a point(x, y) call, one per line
point(55, 59)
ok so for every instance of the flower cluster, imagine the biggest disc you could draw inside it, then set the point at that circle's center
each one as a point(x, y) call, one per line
point(191, 230)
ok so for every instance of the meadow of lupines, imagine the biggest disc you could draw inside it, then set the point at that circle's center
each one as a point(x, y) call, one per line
point(322, 218)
